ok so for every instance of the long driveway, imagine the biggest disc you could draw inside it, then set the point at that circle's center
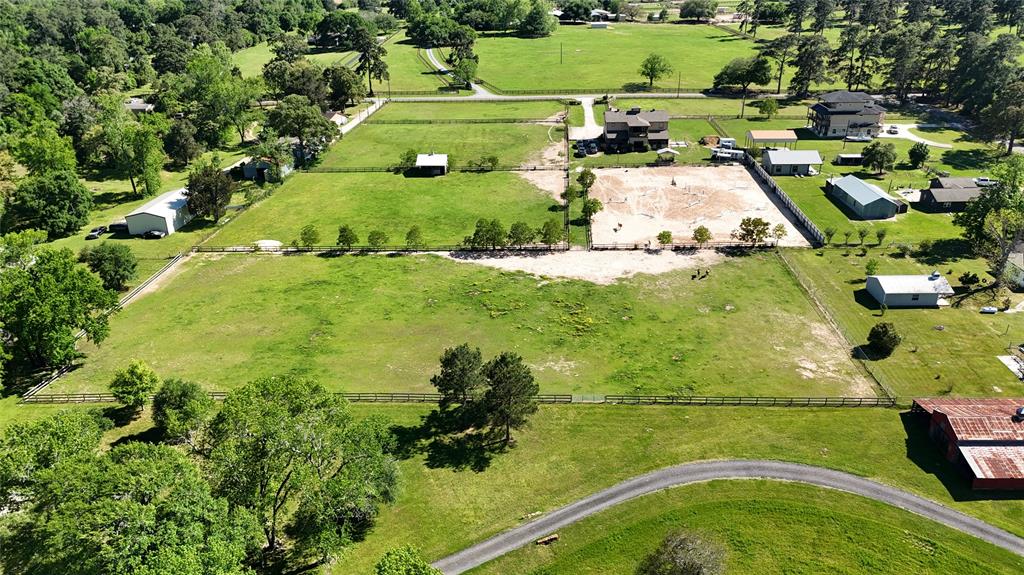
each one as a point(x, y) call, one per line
point(730, 469)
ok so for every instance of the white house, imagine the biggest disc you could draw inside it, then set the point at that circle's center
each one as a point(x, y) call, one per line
point(166, 213)
point(910, 291)
point(785, 162)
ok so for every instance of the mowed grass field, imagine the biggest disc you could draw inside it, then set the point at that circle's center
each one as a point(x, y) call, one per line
point(469, 110)
point(250, 61)
point(765, 527)
point(967, 158)
point(445, 208)
point(379, 323)
point(958, 359)
point(381, 145)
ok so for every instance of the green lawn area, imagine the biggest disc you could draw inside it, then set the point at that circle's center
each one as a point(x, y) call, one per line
point(469, 110)
point(959, 359)
point(378, 323)
point(407, 70)
point(445, 208)
point(382, 144)
point(689, 131)
point(577, 118)
point(766, 527)
point(250, 61)
point(708, 106)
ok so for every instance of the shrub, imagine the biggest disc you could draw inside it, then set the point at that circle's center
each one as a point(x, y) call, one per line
point(904, 250)
point(115, 263)
point(665, 238)
point(683, 553)
point(132, 385)
point(925, 247)
point(969, 278)
point(884, 338)
point(377, 239)
point(180, 408)
point(871, 268)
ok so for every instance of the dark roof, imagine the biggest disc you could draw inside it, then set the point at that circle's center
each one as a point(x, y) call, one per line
point(636, 119)
point(657, 135)
point(954, 183)
point(842, 96)
point(865, 110)
point(950, 195)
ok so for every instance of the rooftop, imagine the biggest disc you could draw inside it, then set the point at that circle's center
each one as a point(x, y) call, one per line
point(954, 183)
point(861, 191)
point(164, 205)
point(138, 105)
point(432, 160)
point(950, 195)
point(916, 284)
point(635, 117)
point(758, 136)
point(793, 157)
point(995, 461)
point(844, 96)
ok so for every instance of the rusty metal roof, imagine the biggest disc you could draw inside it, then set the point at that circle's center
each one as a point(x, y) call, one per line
point(979, 419)
point(995, 462)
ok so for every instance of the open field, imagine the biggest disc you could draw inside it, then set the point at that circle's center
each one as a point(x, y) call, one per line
point(959, 359)
point(641, 202)
point(765, 527)
point(463, 110)
point(373, 145)
point(445, 208)
point(407, 70)
point(378, 323)
point(250, 61)
point(708, 106)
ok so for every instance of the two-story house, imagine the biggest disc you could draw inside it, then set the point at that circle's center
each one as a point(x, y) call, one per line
point(841, 114)
point(634, 129)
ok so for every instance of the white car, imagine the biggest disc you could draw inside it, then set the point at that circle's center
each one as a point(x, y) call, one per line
point(983, 181)
point(893, 130)
point(989, 309)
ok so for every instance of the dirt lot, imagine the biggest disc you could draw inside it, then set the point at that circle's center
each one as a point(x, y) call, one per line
point(641, 202)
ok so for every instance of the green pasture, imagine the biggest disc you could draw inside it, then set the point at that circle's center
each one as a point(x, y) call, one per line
point(708, 106)
point(949, 350)
point(407, 70)
point(379, 323)
point(446, 208)
point(469, 110)
point(765, 527)
point(250, 61)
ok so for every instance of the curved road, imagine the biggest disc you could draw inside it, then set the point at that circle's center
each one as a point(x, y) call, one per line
point(731, 469)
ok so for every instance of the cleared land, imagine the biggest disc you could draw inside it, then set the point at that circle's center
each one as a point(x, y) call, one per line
point(469, 110)
point(641, 202)
point(250, 61)
point(445, 208)
point(407, 69)
point(377, 323)
point(766, 527)
point(945, 351)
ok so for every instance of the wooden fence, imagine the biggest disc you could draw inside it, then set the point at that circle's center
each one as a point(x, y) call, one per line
point(751, 401)
point(812, 229)
point(463, 168)
point(330, 250)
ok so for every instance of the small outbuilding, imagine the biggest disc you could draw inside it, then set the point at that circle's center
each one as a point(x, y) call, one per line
point(791, 162)
point(763, 138)
point(432, 164)
point(849, 160)
point(335, 117)
point(259, 170)
point(138, 106)
point(165, 213)
point(866, 201)
point(910, 290)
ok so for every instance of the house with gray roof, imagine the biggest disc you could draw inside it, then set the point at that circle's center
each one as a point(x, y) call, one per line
point(785, 162)
point(948, 194)
point(636, 130)
point(866, 201)
point(840, 114)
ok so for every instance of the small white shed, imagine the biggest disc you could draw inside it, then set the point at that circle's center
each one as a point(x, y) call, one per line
point(432, 164)
point(166, 213)
point(786, 162)
point(910, 290)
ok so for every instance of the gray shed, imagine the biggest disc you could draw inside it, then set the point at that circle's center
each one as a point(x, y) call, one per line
point(166, 213)
point(910, 290)
point(790, 162)
point(866, 201)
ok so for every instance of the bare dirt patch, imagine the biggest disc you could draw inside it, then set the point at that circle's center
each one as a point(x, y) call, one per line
point(639, 203)
point(825, 355)
point(551, 181)
point(598, 267)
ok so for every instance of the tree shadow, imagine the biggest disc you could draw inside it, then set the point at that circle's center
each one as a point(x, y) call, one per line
point(447, 439)
point(945, 251)
point(152, 436)
point(967, 159)
point(121, 415)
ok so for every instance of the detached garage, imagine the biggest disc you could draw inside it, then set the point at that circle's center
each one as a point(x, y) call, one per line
point(166, 213)
point(910, 290)
point(866, 201)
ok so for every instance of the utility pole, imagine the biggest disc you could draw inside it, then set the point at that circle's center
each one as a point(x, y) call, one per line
point(679, 81)
point(559, 52)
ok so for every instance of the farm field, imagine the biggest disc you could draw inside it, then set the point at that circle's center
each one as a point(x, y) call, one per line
point(765, 527)
point(381, 145)
point(407, 69)
point(468, 110)
point(250, 61)
point(959, 359)
point(446, 208)
point(378, 323)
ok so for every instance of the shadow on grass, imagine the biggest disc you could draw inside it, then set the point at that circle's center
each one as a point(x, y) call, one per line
point(924, 453)
point(945, 252)
point(152, 436)
point(968, 159)
point(121, 415)
point(447, 439)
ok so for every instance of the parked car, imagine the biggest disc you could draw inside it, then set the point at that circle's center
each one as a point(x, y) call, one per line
point(92, 235)
point(985, 182)
point(118, 228)
point(580, 153)
point(592, 148)
point(98, 230)
point(153, 235)
point(858, 138)
point(989, 309)
point(893, 130)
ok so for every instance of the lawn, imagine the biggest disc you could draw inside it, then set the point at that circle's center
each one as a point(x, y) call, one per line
point(959, 359)
point(469, 110)
point(381, 145)
point(378, 323)
point(765, 527)
point(445, 208)
point(250, 61)
point(407, 69)
point(689, 131)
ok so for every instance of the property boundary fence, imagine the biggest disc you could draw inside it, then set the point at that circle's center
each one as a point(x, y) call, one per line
point(717, 127)
point(339, 250)
point(732, 31)
point(547, 399)
point(465, 168)
point(459, 121)
point(683, 246)
point(802, 218)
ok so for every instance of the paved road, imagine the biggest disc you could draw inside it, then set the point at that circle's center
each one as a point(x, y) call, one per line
point(709, 470)
point(590, 129)
point(478, 90)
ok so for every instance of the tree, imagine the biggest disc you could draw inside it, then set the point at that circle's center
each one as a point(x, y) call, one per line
point(683, 553)
point(209, 190)
point(918, 154)
point(511, 393)
point(871, 267)
point(779, 232)
point(768, 107)
point(460, 381)
point(295, 117)
point(347, 237)
point(586, 179)
point(1004, 117)
point(743, 72)
point(404, 561)
point(115, 263)
point(271, 149)
point(520, 234)
point(289, 47)
point(309, 236)
point(55, 202)
point(654, 67)
point(879, 156)
point(304, 77)
point(664, 238)
point(698, 9)
point(829, 232)
point(133, 385)
point(371, 59)
point(846, 237)
point(590, 208)
point(377, 239)
point(880, 234)
point(781, 50)
point(884, 338)
point(465, 71)
point(702, 235)
point(346, 87)
point(537, 22)
point(180, 409)
point(145, 160)
point(811, 65)
point(406, 161)
point(577, 10)
point(752, 230)
point(43, 151)
point(488, 233)
point(414, 237)
point(180, 142)
point(551, 232)
point(136, 509)
point(1005, 195)
point(1003, 232)
point(291, 453)
point(43, 305)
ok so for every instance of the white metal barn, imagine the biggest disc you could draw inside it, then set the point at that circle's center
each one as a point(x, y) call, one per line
point(166, 213)
point(910, 290)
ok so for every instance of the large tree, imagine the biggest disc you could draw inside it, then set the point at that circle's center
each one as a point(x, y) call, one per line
point(654, 67)
point(811, 63)
point(295, 117)
point(743, 72)
point(56, 202)
point(1004, 117)
point(781, 51)
point(346, 87)
point(510, 397)
point(371, 59)
point(698, 9)
point(459, 382)
point(209, 190)
point(879, 156)
point(43, 151)
point(1006, 195)
point(290, 452)
point(537, 22)
point(114, 262)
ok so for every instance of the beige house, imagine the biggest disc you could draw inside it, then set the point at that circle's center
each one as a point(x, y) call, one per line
point(841, 114)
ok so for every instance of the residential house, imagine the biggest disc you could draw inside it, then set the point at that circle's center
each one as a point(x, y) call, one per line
point(166, 213)
point(138, 106)
point(910, 290)
point(790, 162)
point(636, 130)
point(335, 117)
point(841, 114)
point(948, 194)
point(866, 201)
